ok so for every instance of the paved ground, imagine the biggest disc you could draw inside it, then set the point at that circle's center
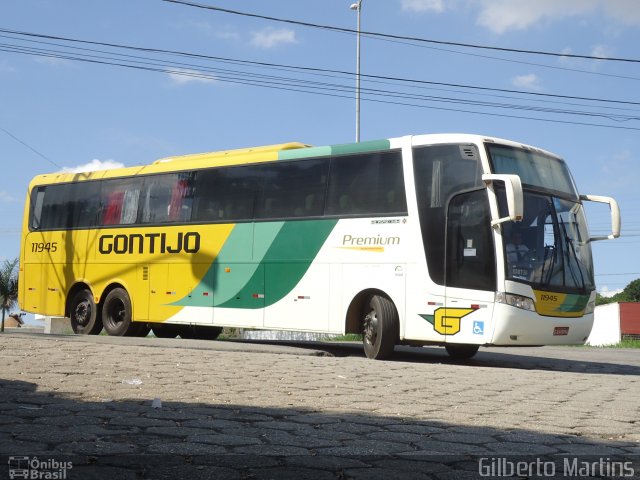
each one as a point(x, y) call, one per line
point(242, 410)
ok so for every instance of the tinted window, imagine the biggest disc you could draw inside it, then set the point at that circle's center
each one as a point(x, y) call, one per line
point(533, 168)
point(293, 189)
point(119, 201)
point(168, 198)
point(440, 171)
point(471, 259)
point(370, 183)
point(66, 206)
point(226, 194)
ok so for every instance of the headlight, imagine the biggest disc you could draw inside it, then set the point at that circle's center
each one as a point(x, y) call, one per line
point(517, 301)
point(591, 306)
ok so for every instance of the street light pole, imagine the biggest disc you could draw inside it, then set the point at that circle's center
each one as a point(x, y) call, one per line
point(358, 6)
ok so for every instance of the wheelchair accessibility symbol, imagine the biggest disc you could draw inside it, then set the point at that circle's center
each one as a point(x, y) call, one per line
point(478, 327)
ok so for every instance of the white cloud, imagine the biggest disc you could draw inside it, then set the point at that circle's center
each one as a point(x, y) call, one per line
point(183, 76)
point(227, 35)
point(529, 82)
point(53, 61)
point(624, 11)
point(6, 197)
point(500, 16)
point(422, 5)
point(6, 68)
point(605, 292)
point(601, 51)
point(273, 37)
point(224, 32)
point(94, 165)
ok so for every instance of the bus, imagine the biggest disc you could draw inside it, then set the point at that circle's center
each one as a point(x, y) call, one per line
point(453, 240)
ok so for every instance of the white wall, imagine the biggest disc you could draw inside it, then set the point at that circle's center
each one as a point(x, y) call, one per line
point(606, 325)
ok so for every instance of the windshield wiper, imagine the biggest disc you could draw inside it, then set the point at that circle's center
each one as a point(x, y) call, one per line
point(569, 247)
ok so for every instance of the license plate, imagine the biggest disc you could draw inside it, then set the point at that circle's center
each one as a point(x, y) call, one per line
point(557, 331)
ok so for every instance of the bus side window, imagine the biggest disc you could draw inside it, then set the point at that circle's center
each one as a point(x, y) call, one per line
point(367, 183)
point(113, 209)
point(37, 201)
point(292, 189)
point(181, 197)
point(119, 202)
point(156, 203)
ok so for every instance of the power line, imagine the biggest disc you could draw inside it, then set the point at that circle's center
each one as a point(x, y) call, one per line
point(323, 85)
point(400, 37)
point(316, 88)
point(615, 274)
point(306, 68)
point(30, 147)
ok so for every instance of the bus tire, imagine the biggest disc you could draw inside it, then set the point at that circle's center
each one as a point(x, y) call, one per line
point(83, 313)
point(461, 352)
point(116, 314)
point(138, 329)
point(380, 328)
point(199, 332)
point(165, 330)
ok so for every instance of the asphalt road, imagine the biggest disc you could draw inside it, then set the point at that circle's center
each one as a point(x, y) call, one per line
point(130, 408)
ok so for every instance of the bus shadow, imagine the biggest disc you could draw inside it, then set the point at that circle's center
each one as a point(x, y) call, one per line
point(130, 439)
point(536, 358)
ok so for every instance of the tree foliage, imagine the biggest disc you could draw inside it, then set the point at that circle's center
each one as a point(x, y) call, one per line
point(631, 293)
point(8, 287)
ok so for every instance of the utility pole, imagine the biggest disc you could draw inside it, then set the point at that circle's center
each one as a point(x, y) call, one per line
point(358, 7)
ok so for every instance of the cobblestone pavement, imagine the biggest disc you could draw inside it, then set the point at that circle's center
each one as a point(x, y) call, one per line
point(156, 408)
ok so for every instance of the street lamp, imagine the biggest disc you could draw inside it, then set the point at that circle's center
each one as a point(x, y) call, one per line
point(358, 7)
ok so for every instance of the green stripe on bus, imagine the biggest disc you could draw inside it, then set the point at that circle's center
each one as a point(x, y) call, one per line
point(304, 153)
point(284, 264)
point(340, 149)
point(282, 251)
point(574, 303)
point(362, 147)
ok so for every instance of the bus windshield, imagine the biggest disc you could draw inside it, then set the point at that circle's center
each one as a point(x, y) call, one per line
point(549, 249)
point(534, 168)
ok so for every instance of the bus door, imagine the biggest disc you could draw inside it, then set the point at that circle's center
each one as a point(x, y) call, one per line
point(470, 270)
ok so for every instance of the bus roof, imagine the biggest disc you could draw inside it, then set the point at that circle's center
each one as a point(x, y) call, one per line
point(220, 158)
point(282, 151)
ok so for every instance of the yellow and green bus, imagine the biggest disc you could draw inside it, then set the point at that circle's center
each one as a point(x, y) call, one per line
point(453, 240)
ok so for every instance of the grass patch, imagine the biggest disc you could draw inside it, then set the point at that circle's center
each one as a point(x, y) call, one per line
point(349, 337)
point(627, 343)
point(624, 343)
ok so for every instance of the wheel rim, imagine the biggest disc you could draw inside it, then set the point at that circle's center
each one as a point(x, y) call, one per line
point(82, 313)
point(371, 328)
point(116, 312)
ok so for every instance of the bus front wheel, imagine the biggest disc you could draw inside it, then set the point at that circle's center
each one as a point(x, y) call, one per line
point(200, 332)
point(116, 314)
point(165, 330)
point(380, 328)
point(461, 352)
point(84, 314)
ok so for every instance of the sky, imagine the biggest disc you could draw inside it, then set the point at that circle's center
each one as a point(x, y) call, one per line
point(57, 112)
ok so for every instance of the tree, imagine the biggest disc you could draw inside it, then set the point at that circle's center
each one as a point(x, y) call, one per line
point(631, 292)
point(8, 287)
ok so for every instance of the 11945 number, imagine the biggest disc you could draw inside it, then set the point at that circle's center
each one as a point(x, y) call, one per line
point(40, 247)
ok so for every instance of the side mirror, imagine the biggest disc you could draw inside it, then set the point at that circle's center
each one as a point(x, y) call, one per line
point(515, 199)
point(615, 215)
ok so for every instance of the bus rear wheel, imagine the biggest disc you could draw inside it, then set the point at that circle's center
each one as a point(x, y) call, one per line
point(380, 328)
point(461, 352)
point(116, 314)
point(83, 313)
